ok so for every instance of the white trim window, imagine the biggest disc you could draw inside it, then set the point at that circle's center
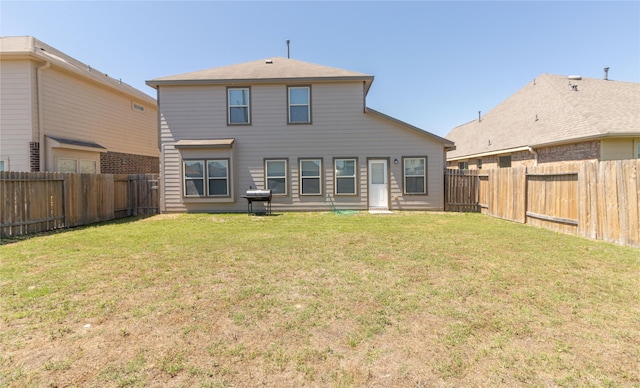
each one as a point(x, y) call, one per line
point(4, 165)
point(299, 101)
point(415, 175)
point(217, 178)
point(275, 171)
point(310, 177)
point(345, 176)
point(239, 111)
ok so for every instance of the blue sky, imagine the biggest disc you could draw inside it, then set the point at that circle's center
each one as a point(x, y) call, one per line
point(436, 64)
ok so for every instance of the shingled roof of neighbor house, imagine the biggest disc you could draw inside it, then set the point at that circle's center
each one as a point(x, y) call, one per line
point(552, 109)
point(268, 70)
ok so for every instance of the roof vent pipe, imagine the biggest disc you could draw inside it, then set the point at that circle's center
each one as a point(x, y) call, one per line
point(606, 73)
point(288, 53)
point(479, 117)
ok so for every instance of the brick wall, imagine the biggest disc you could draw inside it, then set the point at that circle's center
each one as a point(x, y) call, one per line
point(557, 154)
point(589, 150)
point(119, 163)
point(34, 156)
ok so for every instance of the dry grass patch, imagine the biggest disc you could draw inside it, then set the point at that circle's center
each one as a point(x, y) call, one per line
point(409, 299)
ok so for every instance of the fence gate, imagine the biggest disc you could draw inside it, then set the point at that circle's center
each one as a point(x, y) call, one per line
point(461, 189)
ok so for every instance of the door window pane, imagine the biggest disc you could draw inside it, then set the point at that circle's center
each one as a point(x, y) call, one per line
point(377, 173)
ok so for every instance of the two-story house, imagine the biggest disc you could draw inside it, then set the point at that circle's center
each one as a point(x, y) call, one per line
point(299, 129)
point(59, 114)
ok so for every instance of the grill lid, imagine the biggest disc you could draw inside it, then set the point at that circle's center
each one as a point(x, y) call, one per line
point(258, 194)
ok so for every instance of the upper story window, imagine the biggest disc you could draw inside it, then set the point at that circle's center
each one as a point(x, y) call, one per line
point(238, 106)
point(299, 101)
point(310, 176)
point(345, 175)
point(415, 175)
point(276, 176)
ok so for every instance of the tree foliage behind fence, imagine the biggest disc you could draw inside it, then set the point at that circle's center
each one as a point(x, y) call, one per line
point(42, 201)
point(597, 200)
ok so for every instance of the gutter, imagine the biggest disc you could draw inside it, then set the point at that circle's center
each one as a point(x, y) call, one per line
point(40, 98)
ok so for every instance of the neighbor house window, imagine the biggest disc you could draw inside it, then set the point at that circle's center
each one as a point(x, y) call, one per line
point(214, 172)
point(276, 176)
point(504, 161)
point(238, 100)
point(415, 175)
point(463, 165)
point(88, 166)
point(638, 153)
point(345, 176)
point(3, 165)
point(299, 98)
point(67, 165)
point(310, 179)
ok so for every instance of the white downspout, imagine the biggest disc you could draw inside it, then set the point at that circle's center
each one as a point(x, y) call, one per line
point(41, 154)
point(535, 155)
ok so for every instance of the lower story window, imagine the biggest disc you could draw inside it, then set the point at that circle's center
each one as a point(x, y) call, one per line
point(415, 175)
point(276, 176)
point(345, 175)
point(204, 178)
point(463, 165)
point(504, 161)
point(310, 178)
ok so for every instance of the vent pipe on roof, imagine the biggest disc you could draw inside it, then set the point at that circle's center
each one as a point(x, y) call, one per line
point(606, 73)
point(288, 53)
point(479, 116)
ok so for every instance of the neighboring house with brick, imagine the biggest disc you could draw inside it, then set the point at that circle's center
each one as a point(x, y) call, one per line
point(59, 114)
point(553, 119)
point(298, 129)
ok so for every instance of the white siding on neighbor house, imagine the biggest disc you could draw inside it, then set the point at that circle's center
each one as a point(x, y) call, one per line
point(18, 114)
point(340, 129)
point(617, 149)
point(81, 110)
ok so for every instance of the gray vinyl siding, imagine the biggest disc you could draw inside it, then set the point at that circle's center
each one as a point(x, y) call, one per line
point(18, 113)
point(340, 129)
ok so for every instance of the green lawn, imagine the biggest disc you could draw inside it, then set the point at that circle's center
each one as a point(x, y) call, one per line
point(317, 299)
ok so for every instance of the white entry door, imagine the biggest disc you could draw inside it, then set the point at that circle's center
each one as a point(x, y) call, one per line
point(378, 185)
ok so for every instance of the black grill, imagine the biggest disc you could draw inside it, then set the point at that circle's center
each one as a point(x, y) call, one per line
point(258, 196)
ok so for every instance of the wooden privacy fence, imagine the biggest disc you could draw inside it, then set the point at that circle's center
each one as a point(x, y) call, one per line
point(42, 201)
point(461, 190)
point(598, 200)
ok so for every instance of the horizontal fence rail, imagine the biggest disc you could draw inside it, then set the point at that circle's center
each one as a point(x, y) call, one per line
point(597, 200)
point(33, 202)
